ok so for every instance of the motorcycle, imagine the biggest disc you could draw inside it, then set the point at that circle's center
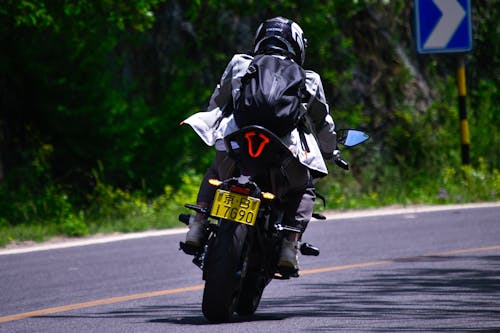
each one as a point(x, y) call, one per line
point(245, 228)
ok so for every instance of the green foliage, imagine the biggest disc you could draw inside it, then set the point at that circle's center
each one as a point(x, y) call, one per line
point(450, 185)
point(114, 209)
point(136, 14)
point(74, 225)
point(484, 115)
point(475, 184)
point(39, 202)
point(94, 93)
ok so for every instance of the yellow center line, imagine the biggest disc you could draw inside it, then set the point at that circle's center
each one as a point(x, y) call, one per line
point(390, 261)
point(105, 301)
point(463, 251)
point(339, 268)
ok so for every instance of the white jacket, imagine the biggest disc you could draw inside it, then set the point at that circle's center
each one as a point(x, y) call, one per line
point(212, 128)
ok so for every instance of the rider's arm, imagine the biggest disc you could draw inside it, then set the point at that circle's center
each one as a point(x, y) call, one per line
point(320, 115)
point(229, 82)
point(222, 91)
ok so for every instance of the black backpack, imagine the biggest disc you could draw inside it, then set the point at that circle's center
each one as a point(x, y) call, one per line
point(270, 95)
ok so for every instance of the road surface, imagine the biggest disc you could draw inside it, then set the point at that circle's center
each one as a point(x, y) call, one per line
point(412, 270)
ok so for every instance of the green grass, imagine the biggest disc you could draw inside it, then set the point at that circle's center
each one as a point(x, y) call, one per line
point(43, 231)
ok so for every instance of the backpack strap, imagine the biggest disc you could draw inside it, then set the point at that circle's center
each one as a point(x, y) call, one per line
point(305, 125)
point(224, 100)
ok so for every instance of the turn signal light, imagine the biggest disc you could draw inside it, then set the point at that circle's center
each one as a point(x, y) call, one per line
point(214, 182)
point(268, 196)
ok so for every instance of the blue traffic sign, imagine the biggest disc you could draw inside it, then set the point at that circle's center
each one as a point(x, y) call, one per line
point(443, 26)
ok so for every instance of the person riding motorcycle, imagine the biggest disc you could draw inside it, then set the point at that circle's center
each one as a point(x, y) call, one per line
point(279, 37)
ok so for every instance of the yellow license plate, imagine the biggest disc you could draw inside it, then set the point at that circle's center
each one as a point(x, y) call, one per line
point(235, 207)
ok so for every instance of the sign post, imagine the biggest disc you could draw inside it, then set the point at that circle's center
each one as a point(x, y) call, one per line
point(462, 109)
point(444, 26)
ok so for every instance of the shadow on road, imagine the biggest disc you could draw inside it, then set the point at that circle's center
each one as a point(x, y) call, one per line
point(421, 295)
point(427, 294)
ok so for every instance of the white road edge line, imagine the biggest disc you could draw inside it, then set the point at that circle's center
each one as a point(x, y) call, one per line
point(404, 210)
point(331, 215)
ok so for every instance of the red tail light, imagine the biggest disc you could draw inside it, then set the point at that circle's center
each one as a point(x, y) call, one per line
point(263, 141)
point(240, 190)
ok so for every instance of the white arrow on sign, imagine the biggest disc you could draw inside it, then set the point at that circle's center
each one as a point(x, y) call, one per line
point(452, 16)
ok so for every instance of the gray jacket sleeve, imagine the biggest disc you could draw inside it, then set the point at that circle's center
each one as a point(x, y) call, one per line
point(319, 114)
point(227, 90)
point(222, 92)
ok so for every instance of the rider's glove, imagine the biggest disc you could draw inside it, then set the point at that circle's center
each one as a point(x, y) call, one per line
point(332, 157)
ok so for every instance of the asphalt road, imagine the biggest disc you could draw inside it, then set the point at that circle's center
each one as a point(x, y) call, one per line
point(416, 271)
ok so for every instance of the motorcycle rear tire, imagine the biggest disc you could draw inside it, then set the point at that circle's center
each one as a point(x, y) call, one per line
point(223, 272)
point(251, 293)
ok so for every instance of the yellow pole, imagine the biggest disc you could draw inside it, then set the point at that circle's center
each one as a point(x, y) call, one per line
point(462, 108)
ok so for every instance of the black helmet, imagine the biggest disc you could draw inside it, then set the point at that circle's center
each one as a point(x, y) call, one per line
point(281, 35)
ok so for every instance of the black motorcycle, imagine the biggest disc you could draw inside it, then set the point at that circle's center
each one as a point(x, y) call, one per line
point(246, 230)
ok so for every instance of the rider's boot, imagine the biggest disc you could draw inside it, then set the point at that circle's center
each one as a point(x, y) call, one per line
point(196, 234)
point(288, 263)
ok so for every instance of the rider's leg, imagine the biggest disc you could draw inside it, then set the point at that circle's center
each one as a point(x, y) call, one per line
point(197, 224)
point(196, 233)
point(297, 214)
